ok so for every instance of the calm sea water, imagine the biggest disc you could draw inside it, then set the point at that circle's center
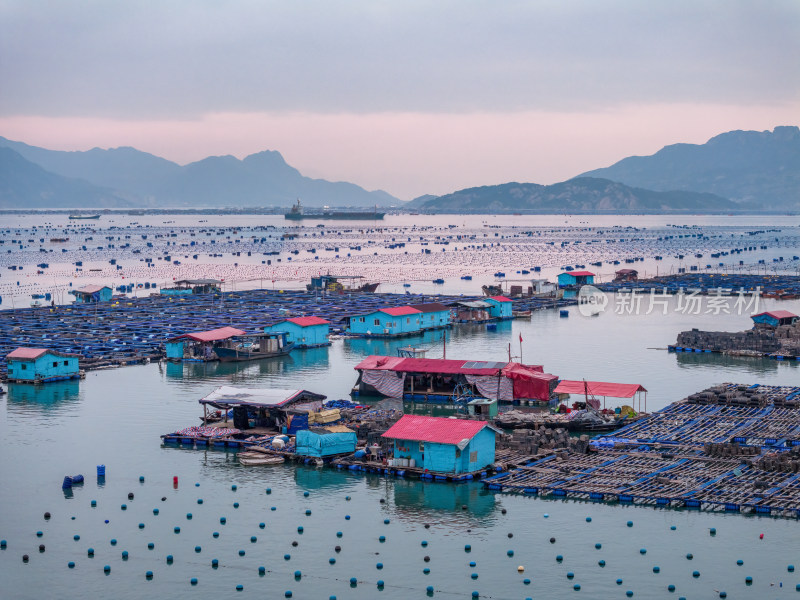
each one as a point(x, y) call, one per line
point(115, 418)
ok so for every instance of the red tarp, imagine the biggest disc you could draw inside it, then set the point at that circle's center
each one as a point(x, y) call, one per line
point(599, 388)
point(434, 429)
point(223, 333)
point(530, 381)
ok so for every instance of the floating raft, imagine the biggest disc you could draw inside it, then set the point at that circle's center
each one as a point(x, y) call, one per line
point(731, 447)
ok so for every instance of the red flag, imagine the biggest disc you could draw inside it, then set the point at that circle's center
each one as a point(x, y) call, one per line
point(520, 338)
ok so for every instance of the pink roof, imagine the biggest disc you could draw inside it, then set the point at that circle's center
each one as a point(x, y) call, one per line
point(379, 363)
point(223, 333)
point(499, 299)
point(91, 289)
point(26, 353)
point(34, 353)
point(307, 321)
point(599, 388)
point(776, 314)
point(399, 311)
point(579, 273)
point(434, 429)
point(437, 365)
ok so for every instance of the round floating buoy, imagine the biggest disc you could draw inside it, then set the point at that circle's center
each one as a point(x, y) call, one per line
point(353, 581)
point(269, 490)
point(629, 594)
point(656, 569)
point(300, 529)
point(107, 568)
point(141, 478)
point(197, 549)
point(92, 503)
point(39, 534)
point(193, 581)
point(338, 549)
point(426, 570)
point(253, 539)
point(570, 575)
point(695, 574)
point(748, 580)
point(723, 594)
point(546, 516)
point(474, 576)
point(347, 517)
point(163, 498)
point(382, 539)
point(287, 594)
point(713, 531)
point(671, 587)
point(588, 519)
point(124, 507)
point(199, 500)
point(90, 552)
point(601, 562)
point(169, 559)
point(215, 534)
point(476, 595)
point(223, 520)
point(619, 581)
point(424, 543)
point(598, 546)
point(429, 589)
point(503, 511)
point(559, 558)
point(214, 563)
point(643, 551)
point(46, 515)
point(740, 562)
point(427, 525)
point(262, 525)
point(241, 552)
point(332, 560)
point(689, 556)
point(576, 587)
point(294, 543)
point(130, 495)
point(233, 487)
point(347, 498)
point(472, 564)
point(629, 523)
point(76, 537)
point(177, 529)
point(761, 536)
point(41, 547)
point(790, 568)
point(141, 525)
point(338, 534)
point(239, 587)
point(520, 569)
point(155, 511)
point(552, 540)
point(467, 548)
point(305, 494)
point(175, 480)
point(308, 512)
point(287, 556)
point(113, 541)
point(235, 505)
point(510, 553)
point(71, 565)
point(673, 528)
point(149, 575)
point(386, 521)
point(150, 545)
point(427, 559)
point(262, 570)
point(124, 555)
point(297, 574)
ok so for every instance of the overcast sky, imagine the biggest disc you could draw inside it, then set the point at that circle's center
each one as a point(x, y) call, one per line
point(409, 97)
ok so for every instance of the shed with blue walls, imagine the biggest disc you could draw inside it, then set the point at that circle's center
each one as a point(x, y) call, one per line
point(575, 278)
point(443, 446)
point(325, 441)
point(386, 322)
point(434, 315)
point(500, 307)
point(39, 365)
point(92, 293)
point(305, 332)
point(774, 318)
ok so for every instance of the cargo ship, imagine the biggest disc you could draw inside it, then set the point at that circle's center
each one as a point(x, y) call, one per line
point(84, 216)
point(296, 213)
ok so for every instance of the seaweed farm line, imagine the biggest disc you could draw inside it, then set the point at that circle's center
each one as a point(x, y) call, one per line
point(132, 331)
point(39, 257)
point(731, 447)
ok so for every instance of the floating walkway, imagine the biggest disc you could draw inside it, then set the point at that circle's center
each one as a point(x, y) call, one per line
point(731, 448)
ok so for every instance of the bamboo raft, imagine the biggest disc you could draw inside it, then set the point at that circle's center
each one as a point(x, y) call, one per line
point(710, 455)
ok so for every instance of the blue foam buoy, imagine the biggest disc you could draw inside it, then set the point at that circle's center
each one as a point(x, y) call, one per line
point(689, 556)
point(619, 581)
point(197, 549)
point(474, 575)
point(235, 505)
point(629, 594)
point(353, 581)
point(155, 511)
point(695, 574)
point(149, 575)
point(214, 563)
point(193, 581)
point(253, 539)
point(223, 520)
point(673, 528)
point(476, 595)
point(338, 534)
point(305, 494)
point(189, 516)
point(379, 566)
point(90, 552)
point(347, 517)
point(71, 565)
point(467, 548)
point(588, 519)
point(177, 529)
point(382, 538)
point(269, 490)
point(386, 521)
point(790, 568)
point(300, 529)
point(239, 587)
point(113, 542)
point(141, 525)
point(576, 587)
point(39, 534)
point(472, 564)
point(287, 556)
point(169, 559)
point(150, 545)
point(643, 551)
point(740, 562)
point(546, 516)
point(510, 553)
point(559, 558)
point(598, 546)
point(76, 537)
point(93, 503)
point(241, 552)
point(124, 555)
point(262, 570)
point(332, 560)
point(601, 562)
point(297, 574)
point(262, 525)
point(308, 512)
point(287, 594)
point(570, 575)
point(629, 523)
point(233, 487)
point(141, 478)
point(671, 587)
point(713, 531)
point(380, 583)
point(656, 569)
point(107, 568)
point(215, 534)
point(526, 581)
point(424, 543)
point(429, 589)
point(124, 507)
point(426, 570)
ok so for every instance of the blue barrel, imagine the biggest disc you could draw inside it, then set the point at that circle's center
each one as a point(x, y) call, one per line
point(67, 482)
point(563, 313)
point(77, 479)
point(101, 470)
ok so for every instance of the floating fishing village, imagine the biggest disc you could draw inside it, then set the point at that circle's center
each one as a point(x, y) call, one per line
point(414, 400)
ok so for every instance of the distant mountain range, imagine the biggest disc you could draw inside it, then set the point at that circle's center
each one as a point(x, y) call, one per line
point(32, 177)
point(761, 168)
point(579, 195)
point(736, 171)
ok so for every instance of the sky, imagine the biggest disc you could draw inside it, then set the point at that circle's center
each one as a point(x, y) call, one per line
point(406, 96)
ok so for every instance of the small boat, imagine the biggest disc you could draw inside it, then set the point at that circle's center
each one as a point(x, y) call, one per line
point(253, 347)
point(466, 277)
point(84, 216)
point(439, 281)
point(249, 459)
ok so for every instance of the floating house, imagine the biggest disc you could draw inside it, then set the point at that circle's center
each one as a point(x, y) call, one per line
point(341, 284)
point(434, 315)
point(303, 332)
point(542, 287)
point(476, 311)
point(38, 365)
point(386, 322)
point(187, 287)
point(575, 278)
point(330, 440)
point(443, 380)
point(198, 346)
point(262, 410)
point(626, 275)
point(441, 445)
point(92, 293)
point(499, 307)
point(591, 391)
point(773, 318)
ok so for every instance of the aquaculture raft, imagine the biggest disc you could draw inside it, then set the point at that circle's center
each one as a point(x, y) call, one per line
point(731, 447)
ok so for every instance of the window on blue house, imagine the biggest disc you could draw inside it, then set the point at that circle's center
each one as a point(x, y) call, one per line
point(66, 363)
point(360, 319)
point(55, 363)
point(23, 366)
point(422, 446)
point(377, 321)
point(473, 456)
point(458, 453)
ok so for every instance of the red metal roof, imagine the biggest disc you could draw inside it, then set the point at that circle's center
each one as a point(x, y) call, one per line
point(399, 311)
point(599, 388)
point(578, 273)
point(440, 430)
point(436, 365)
point(223, 333)
point(499, 299)
point(776, 314)
point(308, 321)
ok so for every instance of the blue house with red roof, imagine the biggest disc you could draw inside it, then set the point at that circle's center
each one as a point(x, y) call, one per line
point(386, 322)
point(305, 332)
point(39, 365)
point(442, 446)
point(499, 307)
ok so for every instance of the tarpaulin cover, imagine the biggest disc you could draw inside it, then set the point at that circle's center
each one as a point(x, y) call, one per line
point(321, 442)
point(388, 383)
point(494, 388)
point(599, 388)
point(379, 362)
point(529, 381)
point(223, 333)
point(233, 396)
